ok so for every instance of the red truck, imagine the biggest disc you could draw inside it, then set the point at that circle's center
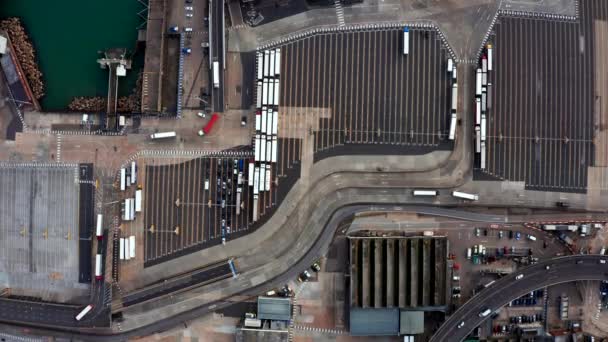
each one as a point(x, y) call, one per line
point(209, 125)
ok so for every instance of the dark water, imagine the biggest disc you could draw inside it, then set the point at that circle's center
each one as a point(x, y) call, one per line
point(67, 35)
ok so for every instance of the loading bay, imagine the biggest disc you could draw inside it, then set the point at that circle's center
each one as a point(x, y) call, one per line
point(546, 95)
point(39, 221)
point(356, 92)
point(186, 203)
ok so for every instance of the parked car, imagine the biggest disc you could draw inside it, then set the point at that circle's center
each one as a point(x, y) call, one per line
point(304, 276)
point(316, 267)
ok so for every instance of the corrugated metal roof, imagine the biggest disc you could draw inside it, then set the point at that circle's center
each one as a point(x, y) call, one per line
point(374, 322)
point(274, 308)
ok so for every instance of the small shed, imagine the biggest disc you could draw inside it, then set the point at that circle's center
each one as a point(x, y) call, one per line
point(274, 308)
point(411, 322)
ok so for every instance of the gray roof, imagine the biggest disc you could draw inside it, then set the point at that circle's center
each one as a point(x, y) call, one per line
point(411, 322)
point(374, 322)
point(274, 308)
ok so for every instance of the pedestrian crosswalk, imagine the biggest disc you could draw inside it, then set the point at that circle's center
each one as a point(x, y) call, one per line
point(319, 330)
point(58, 154)
point(340, 12)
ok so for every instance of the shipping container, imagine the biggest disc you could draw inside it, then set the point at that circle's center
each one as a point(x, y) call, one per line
point(127, 249)
point(406, 40)
point(258, 102)
point(464, 195)
point(99, 230)
point(257, 148)
point(483, 127)
point(133, 172)
point(489, 46)
point(123, 179)
point(453, 123)
point(483, 155)
point(260, 65)
point(266, 63)
point(84, 312)
point(268, 178)
point(265, 92)
point(216, 74)
point(274, 149)
point(264, 121)
point(161, 135)
point(477, 139)
point(122, 249)
point(277, 62)
point(425, 193)
point(255, 208)
point(250, 178)
point(269, 149)
point(132, 246)
point(276, 93)
point(478, 83)
point(275, 122)
point(98, 267)
point(256, 181)
point(138, 195)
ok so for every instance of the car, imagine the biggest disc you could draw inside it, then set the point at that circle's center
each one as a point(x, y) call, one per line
point(460, 325)
point(477, 232)
point(602, 261)
point(316, 267)
point(510, 234)
point(517, 235)
point(189, 8)
point(187, 29)
point(304, 276)
point(485, 232)
point(201, 115)
point(243, 121)
point(519, 319)
point(578, 262)
point(547, 267)
point(189, 15)
point(271, 293)
point(519, 276)
point(500, 234)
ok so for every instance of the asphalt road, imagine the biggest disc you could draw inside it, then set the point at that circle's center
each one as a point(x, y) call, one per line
point(561, 270)
point(533, 280)
point(217, 36)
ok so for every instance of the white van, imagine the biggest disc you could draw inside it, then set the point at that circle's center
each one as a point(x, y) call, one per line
point(485, 312)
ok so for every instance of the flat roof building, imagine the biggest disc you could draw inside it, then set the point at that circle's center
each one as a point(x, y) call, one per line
point(274, 308)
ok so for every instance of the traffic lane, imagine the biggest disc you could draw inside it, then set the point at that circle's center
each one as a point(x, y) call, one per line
point(563, 269)
point(198, 278)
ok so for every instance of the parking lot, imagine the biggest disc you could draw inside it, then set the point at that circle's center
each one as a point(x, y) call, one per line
point(39, 231)
point(545, 140)
point(191, 204)
point(357, 93)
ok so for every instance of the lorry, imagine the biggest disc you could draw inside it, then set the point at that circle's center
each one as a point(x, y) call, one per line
point(209, 125)
point(566, 239)
point(161, 135)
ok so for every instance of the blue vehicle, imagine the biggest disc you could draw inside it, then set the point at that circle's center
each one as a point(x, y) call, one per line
point(517, 235)
point(241, 165)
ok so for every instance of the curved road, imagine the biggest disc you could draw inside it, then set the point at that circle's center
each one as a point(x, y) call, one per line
point(561, 270)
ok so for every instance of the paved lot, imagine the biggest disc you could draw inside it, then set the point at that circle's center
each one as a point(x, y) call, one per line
point(356, 92)
point(39, 231)
point(182, 216)
point(544, 140)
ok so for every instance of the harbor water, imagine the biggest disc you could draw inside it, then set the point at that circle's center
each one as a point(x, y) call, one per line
point(68, 36)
